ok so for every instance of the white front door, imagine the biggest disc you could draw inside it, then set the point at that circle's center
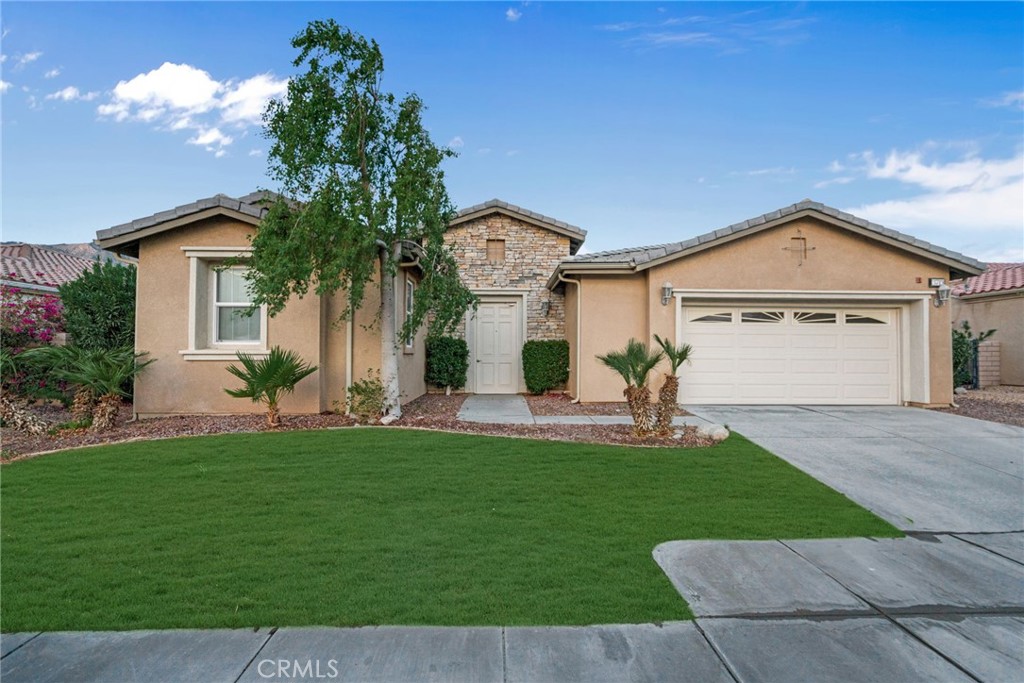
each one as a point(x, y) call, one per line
point(790, 354)
point(497, 347)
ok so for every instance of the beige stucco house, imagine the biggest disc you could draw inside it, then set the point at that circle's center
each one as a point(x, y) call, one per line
point(994, 300)
point(802, 305)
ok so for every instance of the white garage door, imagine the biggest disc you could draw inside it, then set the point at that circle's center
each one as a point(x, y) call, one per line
point(781, 354)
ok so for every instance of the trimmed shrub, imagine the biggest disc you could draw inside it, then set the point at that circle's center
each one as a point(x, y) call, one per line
point(447, 362)
point(545, 364)
point(367, 399)
point(965, 352)
point(99, 307)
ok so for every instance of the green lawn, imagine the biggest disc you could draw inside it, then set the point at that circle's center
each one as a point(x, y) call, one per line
point(374, 526)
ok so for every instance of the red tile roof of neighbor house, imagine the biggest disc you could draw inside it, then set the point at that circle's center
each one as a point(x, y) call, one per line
point(37, 265)
point(998, 277)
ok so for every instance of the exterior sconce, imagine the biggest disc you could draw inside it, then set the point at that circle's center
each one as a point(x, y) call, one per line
point(666, 293)
point(545, 308)
point(941, 294)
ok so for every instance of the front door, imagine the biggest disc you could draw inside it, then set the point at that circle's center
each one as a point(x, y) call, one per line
point(497, 347)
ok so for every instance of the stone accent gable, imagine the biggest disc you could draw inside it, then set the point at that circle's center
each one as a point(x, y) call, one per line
point(531, 255)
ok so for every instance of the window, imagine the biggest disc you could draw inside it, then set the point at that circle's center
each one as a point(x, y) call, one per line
point(713, 318)
point(762, 317)
point(410, 294)
point(811, 317)
point(496, 251)
point(232, 302)
point(857, 319)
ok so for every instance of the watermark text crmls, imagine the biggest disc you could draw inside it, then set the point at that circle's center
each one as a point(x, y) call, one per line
point(297, 669)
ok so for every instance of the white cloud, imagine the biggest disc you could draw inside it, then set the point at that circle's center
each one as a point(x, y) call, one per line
point(1013, 99)
point(245, 102)
point(841, 180)
point(512, 14)
point(972, 204)
point(775, 170)
point(456, 142)
point(255, 152)
point(52, 73)
point(176, 97)
point(3, 58)
point(28, 58)
point(4, 85)
point(71, 93)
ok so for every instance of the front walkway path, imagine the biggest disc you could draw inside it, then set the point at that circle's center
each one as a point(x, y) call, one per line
point(513, 409)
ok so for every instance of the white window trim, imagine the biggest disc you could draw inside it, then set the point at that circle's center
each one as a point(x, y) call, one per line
point(220, 351)
point(410, 293)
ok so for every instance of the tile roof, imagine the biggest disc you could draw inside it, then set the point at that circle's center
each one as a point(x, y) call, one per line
point(562, 226)
point(37, 265)
point(638, 256)
point(998, 277)
point(249, 204)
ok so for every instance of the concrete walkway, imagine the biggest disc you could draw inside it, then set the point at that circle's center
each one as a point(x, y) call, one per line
point(513, 409)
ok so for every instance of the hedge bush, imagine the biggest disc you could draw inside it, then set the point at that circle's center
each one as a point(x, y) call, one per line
point(99, 307)
point(545, 364)
point(447, 362)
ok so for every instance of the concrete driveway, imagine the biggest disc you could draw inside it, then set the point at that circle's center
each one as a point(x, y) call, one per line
point(919, 469)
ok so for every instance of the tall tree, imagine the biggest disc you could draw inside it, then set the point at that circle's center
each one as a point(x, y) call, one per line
point(361, 185)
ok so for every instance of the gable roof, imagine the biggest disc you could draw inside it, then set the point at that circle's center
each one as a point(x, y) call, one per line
point(40, 267)
point(997, 278)
point(575, 234)
point(248, 208)
point(640, 258)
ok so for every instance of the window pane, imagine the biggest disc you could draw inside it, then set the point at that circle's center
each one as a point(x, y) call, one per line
point(762, 316)
point(232, 286)
point(234, 326)
point(713, 318)
point(856, 319)
point(410, 290)
point(813, 317)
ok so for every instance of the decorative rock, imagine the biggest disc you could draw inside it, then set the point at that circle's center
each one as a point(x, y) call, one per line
point(716, 433)
point(960, 391)
point(677, 435)
point(388, 419)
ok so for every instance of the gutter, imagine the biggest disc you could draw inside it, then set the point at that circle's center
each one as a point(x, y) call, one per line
point(579, 327)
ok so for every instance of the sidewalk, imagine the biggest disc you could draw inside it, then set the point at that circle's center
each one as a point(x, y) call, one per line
point(513, 409)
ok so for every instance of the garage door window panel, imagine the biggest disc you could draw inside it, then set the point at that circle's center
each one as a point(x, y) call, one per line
point(814, 318)
point(762, 317)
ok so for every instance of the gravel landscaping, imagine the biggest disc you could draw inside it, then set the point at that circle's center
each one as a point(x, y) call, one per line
point(996, 404)
point(431, 411)
point(561, 404)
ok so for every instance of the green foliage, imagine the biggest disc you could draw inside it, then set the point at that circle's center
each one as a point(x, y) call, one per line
point(634, 364)
point(545, 364)
point(965, 348)
point(367, 399)
point(676, 355)
point(99, 307)
point(447, 362)
point(108, 372)
point(267, 380)
point(361, 189)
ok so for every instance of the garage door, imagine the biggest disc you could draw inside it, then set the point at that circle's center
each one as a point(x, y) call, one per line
point(773, 354)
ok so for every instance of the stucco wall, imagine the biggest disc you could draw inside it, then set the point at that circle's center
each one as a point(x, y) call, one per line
point(1004, 314)
point(174, 385)
point(836, 260)
point(531, 255)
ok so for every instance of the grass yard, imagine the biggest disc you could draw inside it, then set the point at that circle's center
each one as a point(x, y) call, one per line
point(381, 526)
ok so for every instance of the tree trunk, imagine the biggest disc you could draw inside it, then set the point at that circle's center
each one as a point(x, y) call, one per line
point(667, 398)
point(15, 416)
point(83, 405)
point(273, 416)
point(389, 334)
point(105, 414)
point(639, 400)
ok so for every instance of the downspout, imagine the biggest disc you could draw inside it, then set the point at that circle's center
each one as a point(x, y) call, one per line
point(579, 326)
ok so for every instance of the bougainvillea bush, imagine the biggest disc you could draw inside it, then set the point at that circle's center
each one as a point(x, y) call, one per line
point(28, 321)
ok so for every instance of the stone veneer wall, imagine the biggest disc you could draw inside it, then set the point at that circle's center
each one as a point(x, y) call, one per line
point(531, 254)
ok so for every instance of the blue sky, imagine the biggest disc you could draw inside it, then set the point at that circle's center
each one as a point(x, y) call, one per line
point(641, 122)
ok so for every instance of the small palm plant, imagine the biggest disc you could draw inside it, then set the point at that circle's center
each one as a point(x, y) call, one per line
point(106, 373)
point(634, 364)
point(58, 361)
point(668, 396)
point(267, 380)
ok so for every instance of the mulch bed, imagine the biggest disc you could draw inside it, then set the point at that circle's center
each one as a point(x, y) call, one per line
point(561, 404)
point(431, 411)
point(996, 404)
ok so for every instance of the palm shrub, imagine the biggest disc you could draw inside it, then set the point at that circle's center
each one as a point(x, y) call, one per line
point(634, 364)
point(107, 373)
point(58, 361)
point(267, 380)
point(668, 396)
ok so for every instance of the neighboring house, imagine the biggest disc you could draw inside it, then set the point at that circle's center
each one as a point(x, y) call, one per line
point(802, 305)
point(37, 270)
point(995, 300)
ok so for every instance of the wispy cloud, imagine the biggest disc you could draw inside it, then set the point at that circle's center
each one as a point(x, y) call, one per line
point(512, 14)
point(729, 33)
point(52, 73)
point(456, 142)
point(1014, 99)
point(512, 153)
point(4, 85)
point(841, 180)
point(23, 60)
point(774, 170)
point(72, 94)
point(176, 97)
point(255, 152)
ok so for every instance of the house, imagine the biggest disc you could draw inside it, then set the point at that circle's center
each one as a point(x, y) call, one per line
point(802, 305)
point(995, 300)
point(36, 270)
